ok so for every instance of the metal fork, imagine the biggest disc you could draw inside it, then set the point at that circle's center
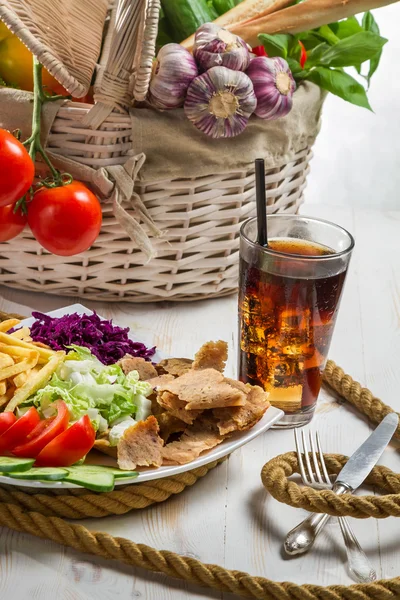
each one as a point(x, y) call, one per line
point(301, 538)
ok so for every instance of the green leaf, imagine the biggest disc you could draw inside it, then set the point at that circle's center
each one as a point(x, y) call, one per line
point(314, 56)
point(346, 28)
point(373, 65)
point(341, 84)
point(295, 67)
point(353, 50)
point(310, 39)
point(276, 45)
point(327, 34)
point(369, 23)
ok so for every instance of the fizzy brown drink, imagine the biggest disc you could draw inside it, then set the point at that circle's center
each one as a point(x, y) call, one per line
point(287, 313)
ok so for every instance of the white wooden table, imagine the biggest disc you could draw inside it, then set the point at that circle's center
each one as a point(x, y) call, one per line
point(228, 518)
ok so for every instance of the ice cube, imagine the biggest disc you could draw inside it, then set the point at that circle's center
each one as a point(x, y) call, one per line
point(295, 332)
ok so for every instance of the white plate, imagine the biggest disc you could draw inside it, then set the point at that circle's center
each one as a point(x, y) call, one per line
point(271, 416)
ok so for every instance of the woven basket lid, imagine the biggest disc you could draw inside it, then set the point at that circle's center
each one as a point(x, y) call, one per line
point(65, 35)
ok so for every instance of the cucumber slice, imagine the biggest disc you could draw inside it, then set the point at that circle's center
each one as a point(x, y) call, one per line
point(42, 474)
point(9, 464)
point(97, 481)
point(118, 473)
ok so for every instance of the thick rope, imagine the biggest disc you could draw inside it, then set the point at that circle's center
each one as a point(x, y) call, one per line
point(36, 514)
point(182, 567)
point(354, 393)
point(80, 504)
point(275, 473)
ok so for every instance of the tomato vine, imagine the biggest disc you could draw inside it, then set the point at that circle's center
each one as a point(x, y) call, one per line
point(34, 144)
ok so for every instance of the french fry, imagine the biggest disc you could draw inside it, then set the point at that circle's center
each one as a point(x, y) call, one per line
point(40, 345)
point(20, 379)
point(5, 360)
point(35, 381)
point(24, 365)
point(45, 353)
point(9, 324)
point(17, 351)
point(28, 339)
point(3, 387)
point(5, 399)
point(21, 334)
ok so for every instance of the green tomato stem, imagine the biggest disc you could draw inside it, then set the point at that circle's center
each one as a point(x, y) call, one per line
point(34, 144)
point(39, 98)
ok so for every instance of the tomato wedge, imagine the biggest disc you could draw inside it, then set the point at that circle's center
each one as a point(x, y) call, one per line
point(68, 447)
point(44, 432)
point(17, 433)
point(6, 420)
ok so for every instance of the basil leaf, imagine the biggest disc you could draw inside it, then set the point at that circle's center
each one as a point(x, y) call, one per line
point(310, 39)
point(314, 56)
point(346, 28)
point(353, 50)
point(327, 34)
point(369, 23)
point(373, 65)
point(276, 45)
point(295, 67)
point(341, 84)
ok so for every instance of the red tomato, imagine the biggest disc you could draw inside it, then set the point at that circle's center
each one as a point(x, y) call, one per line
point(68, 447)
point(6, 420)
point(65, 220)
point(44, 432)
point(17, 433)
point(11, 224)
point(17, 169)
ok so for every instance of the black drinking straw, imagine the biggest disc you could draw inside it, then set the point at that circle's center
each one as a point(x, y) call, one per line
point(261, 202)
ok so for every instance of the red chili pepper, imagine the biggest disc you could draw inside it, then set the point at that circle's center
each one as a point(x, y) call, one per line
point(259, 51)
point(303, 55)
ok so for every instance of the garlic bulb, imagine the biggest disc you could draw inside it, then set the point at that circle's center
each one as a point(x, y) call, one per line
point(215, 46)
point(220, 102)
point(173, 71)
point(273, 86)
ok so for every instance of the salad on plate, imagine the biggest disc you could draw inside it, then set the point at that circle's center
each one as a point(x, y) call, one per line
point(75, 384)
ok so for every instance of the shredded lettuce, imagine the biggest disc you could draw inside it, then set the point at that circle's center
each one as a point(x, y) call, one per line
point(87, 386)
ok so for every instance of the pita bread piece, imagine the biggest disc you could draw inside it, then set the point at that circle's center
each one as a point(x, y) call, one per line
point(160, 380)
point(175, 366)
point(103, 445)
point(243, 417)
point(156, 409)
point(140, 445)
point(204, 389)
point(177, 407)
point(169, 424)
point(198, 438)
point(134, 363)
point(212, 355)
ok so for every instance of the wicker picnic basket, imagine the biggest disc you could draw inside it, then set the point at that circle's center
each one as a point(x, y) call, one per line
point(162, 239)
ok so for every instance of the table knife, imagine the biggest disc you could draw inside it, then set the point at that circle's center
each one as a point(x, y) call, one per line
point(301, 538)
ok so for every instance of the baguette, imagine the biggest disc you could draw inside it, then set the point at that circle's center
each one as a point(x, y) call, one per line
point(246, 10)
point(272, 8)
point(302, 17)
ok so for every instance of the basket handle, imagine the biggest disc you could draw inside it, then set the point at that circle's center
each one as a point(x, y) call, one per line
point(144, 66)
point(130, 54)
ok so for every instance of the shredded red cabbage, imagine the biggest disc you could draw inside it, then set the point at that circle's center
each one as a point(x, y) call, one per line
point(105, 340)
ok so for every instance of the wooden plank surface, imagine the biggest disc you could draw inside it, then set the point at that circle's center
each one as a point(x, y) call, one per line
point(228, 518)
